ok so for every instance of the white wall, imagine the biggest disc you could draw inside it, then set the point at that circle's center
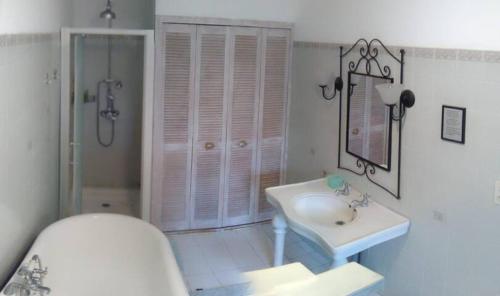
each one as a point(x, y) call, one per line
point(130, 14)
point(29, 133)
point(447, 23)
point(33, 16)
point(273, 10)
point(456, 256)
point(29, 123)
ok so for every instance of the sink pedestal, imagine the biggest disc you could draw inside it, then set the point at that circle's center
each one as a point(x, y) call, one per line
point(280, 228)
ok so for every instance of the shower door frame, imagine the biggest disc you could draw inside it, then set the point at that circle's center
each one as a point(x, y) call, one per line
point(147, 113)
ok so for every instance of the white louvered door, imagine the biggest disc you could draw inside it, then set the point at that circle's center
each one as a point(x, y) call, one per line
point(220, 124)
point(243, 106)
point(273, 114)
point(207, 186)
point(173, 126)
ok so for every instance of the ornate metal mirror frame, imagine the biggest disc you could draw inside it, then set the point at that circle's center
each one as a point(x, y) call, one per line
point(368, 64)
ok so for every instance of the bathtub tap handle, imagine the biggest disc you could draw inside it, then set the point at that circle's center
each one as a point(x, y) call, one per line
point(41, 290)
point(40, 273)
point(23, 271)
point(16, 289)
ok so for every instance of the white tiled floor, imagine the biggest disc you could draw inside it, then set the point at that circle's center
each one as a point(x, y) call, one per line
point(217, 259)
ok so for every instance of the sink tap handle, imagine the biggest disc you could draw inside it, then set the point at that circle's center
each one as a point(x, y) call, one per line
point(345, 190)
point(366, 197)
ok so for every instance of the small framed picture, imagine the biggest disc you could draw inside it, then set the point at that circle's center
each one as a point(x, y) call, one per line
point(453, 124)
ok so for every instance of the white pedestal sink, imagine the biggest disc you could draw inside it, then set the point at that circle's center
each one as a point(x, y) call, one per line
point(313, 210)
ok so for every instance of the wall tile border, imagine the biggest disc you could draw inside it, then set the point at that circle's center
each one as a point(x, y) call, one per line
point(470, 55)
point(447, 54)
point(12, 40)
point(425, 53)
point(491, 56)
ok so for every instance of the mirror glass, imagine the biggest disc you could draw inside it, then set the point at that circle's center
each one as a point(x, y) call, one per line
point(369, 125)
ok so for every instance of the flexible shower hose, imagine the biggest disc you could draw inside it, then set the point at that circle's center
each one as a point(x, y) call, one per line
point(98, 120)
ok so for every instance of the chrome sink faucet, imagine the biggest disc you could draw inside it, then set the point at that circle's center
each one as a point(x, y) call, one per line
point(360, 203)
point(32, 280)
point(345, 190)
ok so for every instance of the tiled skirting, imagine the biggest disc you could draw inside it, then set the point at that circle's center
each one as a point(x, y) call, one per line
point(421, 52)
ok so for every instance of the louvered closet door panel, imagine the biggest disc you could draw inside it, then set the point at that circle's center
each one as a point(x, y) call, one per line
point(173, 126)
point(243, 107)
point(273, 112)
point(210, 132)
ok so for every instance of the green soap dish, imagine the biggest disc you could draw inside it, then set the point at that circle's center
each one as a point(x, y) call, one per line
point(335, 182)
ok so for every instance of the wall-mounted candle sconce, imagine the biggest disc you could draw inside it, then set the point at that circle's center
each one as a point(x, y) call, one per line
point(392, 94)
point(337, 87)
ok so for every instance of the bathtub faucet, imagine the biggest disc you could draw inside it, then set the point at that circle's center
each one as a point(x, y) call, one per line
point(33, 274)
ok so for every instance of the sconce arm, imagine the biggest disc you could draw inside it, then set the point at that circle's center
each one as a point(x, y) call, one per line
point(407, 100)
point(338, 86)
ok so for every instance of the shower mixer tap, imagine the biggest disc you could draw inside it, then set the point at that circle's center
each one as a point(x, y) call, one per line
point(110, 114)
point(118, 84)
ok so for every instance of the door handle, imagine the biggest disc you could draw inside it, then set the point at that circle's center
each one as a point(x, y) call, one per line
point(209, 146)
point(355, 131)
point(243, 144)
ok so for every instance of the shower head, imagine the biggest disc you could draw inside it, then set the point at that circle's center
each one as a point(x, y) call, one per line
point(108, 13)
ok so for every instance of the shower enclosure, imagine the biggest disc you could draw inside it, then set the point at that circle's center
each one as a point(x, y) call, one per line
point(106, 120)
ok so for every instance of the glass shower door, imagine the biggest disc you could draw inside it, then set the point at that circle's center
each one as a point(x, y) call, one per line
point(76, 143)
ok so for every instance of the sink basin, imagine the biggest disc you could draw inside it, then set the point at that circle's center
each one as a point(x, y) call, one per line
point(324, 209)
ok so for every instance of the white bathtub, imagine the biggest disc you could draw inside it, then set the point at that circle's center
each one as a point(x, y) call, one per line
point(106, 254)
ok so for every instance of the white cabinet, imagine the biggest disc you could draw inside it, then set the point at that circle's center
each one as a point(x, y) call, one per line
point(220, 133)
